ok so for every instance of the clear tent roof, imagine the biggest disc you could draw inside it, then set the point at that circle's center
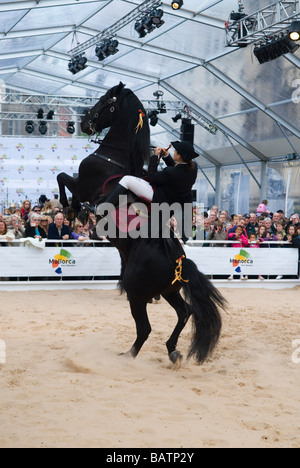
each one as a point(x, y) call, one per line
point(251, 104)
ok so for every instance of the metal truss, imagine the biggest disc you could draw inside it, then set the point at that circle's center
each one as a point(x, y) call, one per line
point(111, 31)
point(27, 102)
point(46, 100)
point(269, 21)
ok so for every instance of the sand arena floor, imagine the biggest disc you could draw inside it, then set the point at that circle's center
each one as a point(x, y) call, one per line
point(63, 384)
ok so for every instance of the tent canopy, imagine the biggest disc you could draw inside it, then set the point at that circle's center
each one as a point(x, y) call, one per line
point(242, 110)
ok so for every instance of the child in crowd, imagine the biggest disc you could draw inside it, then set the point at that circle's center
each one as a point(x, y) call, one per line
point(262, 208)
point(241, 241)
point(254, 242)
point(280, 238)
point(239, 236)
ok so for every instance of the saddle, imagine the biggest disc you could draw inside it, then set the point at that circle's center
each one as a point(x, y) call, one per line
point(132, 216)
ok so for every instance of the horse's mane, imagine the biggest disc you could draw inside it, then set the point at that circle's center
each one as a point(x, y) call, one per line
point(139, 151)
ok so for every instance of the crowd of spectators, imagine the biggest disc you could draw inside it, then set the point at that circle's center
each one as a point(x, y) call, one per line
point(259, 229)
point(262, 226)
point(44, 220)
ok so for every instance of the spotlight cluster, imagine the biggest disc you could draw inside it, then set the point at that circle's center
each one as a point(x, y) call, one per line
point(42, 124)
point(106, 48)
point(274, 47)
point(151, 21)
point(77, 63)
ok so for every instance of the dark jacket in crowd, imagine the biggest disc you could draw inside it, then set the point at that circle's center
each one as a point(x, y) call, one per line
point(54, 234)
point(296, 242)
point(31, 232)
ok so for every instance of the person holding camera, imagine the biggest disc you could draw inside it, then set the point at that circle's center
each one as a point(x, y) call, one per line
point(33, 229)
point(217, 233)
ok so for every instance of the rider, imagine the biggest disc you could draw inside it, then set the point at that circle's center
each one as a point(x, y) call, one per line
point(173, 184)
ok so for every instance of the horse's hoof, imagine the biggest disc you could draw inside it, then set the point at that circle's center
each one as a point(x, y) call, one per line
point(127, 355)
point(176, 359)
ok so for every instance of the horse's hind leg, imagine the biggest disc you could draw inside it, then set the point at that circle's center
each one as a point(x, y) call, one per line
point(143, 327)
point(183, 314)
point(64, 180)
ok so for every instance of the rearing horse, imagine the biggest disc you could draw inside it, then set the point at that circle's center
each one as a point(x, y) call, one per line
point(124, 150)
point(148, 265)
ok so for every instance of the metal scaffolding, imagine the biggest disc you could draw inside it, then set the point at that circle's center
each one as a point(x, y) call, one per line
point(268, 21)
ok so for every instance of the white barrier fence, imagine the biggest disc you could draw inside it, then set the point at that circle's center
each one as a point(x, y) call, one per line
point(100, 260)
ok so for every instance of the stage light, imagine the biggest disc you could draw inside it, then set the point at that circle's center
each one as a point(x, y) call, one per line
point(139, 27)
point(70, 127)
point(176, 118)
point(294, 31)
point(43, 127)
point(158, 94)
point(156, 18)
point(40, 114)
point(152, 116)
point(274, 47)
point(29, 126)
point(151, 20)
point(161, 107)
point(77, 63)
point(50, 115)
point(177, 5)
point(106, 48)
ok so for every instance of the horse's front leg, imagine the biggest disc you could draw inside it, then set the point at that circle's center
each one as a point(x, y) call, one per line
point(65, 181)
point(143, 327)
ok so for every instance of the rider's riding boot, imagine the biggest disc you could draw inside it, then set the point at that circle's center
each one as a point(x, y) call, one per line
point(113, 199)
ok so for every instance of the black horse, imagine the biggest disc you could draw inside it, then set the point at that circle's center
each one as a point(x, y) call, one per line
point(150, 267)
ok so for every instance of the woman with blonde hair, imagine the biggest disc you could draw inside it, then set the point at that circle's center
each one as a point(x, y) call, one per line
point(79, 233)
point(48, 209)
point(44, 223)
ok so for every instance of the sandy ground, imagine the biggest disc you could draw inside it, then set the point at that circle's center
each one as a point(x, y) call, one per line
point(64, 385)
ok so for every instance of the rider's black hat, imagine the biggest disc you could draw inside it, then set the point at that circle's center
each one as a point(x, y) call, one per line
point(185, 149)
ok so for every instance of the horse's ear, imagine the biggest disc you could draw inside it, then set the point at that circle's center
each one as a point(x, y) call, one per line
point(120, 87)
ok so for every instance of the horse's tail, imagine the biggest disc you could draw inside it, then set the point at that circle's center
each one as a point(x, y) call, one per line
point(205, 301)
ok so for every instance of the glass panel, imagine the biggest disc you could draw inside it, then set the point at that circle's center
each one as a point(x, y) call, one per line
point(40, 84)
point(20, 44)
point(9, 19)
point(55, 16)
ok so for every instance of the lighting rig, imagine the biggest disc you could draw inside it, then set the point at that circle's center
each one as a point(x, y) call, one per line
point(77, 63)
point(106, 48)
point(135, 15)
point(149, 22)
point(271, 38)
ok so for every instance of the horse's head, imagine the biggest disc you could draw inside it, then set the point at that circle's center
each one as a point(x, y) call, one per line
point(103, 113)
point(123, 112)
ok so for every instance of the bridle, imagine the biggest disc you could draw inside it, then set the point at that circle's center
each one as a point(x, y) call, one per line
point(112, 103)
